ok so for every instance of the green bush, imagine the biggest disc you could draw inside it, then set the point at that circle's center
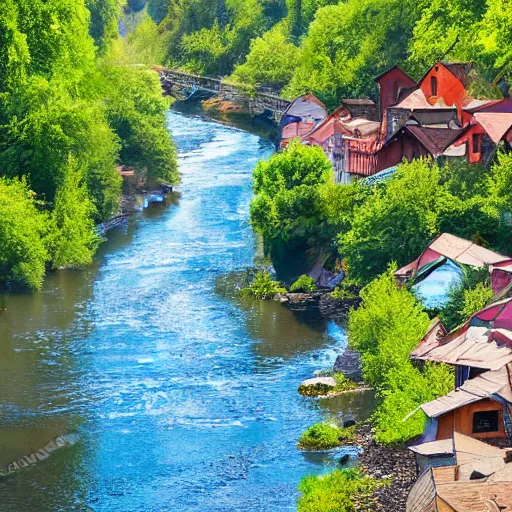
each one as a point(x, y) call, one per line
point(468, 296)
point(22, 231)
point(343, 383)
point(263, 287)
point(385, 328)
point(303, 284)
point(342, 293)
point(324, 436)
point(343, 490)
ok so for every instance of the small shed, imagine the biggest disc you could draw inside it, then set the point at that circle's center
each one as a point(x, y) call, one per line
point(481, 408)
point(301, 117)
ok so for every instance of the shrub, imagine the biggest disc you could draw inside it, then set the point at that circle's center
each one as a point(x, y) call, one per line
point(342, 293)
point(303, 284)
point(468, 296)
point(343, 490)
point(343, 383)
point(263, 287)
point(324, 436)
point(22, 231)
point(386, 327)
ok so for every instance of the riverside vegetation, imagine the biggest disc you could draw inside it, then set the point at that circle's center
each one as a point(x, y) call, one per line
point(374, 229)
point(324, 436)
point(69, 113)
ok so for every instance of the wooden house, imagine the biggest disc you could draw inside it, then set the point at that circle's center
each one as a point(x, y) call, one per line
point(449, 247)
point(302, 116)
point(481, 408)
point(392, 83)
point(477, 478)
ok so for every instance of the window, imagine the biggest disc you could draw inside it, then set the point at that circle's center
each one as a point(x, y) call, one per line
point(475, 372)
point(476, 143)
point(433, 85)
point(485, 421)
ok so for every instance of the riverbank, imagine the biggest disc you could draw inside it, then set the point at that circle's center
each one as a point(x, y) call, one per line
point(395, 463)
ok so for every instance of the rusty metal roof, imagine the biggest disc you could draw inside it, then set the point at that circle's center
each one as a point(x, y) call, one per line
point(478, 347)
point(453, 485)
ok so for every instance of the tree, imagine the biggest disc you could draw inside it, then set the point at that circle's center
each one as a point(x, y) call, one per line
point(136, 110)
point(445, 30)
point(45, 129)
point(22, 231)
point(104, 19)
point(287, 207)
point(271, 61)
point(348, 44)
point(385, 328)
point(73, 241)
point(395, 222)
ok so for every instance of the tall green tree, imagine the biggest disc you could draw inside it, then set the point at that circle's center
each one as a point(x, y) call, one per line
point(348, 44)
point(73, 241)
point(23, 229)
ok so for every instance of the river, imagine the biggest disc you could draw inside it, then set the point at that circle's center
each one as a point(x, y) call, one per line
point(180, 398)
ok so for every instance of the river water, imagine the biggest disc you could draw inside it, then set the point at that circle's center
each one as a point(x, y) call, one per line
point(181, 399)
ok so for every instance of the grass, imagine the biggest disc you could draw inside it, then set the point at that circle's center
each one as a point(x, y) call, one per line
point(343, 490)
point(324, 436)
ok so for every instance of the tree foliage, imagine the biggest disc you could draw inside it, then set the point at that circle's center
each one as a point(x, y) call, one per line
point(288, 202)
point(68, 115)
point(23, 229)
point(271, 61)
point(385, 328)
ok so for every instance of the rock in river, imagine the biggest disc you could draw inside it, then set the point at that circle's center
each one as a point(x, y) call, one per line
point(317, 386)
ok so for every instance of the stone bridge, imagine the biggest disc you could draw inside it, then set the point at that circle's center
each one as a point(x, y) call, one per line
point(263, 101)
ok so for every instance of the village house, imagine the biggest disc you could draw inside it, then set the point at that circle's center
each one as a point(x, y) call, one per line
point(472, 477)
point(435, 117)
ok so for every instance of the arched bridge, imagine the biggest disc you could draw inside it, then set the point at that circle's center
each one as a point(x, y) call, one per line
point(263, 101)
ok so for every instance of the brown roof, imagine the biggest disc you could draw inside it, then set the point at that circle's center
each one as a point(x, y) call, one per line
point(450, 487)
point(435, 140)
point(461, 70)
point(384, 73)
point(484, 386)
point(475, 346)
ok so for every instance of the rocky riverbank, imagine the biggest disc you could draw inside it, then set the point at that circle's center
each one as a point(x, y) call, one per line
point(394, 463)
point(328, 307)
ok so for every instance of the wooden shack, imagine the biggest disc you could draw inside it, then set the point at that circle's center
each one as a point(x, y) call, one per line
point(481, 408)
point(478, 479)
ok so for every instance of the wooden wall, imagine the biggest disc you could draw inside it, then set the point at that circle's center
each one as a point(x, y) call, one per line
point(461, 420)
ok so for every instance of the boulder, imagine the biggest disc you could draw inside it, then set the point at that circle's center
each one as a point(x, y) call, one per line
point(317, 386)
point(349, 363)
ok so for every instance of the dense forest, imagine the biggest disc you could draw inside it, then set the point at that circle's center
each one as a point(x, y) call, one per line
point(331, 48)
point(71, 110)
